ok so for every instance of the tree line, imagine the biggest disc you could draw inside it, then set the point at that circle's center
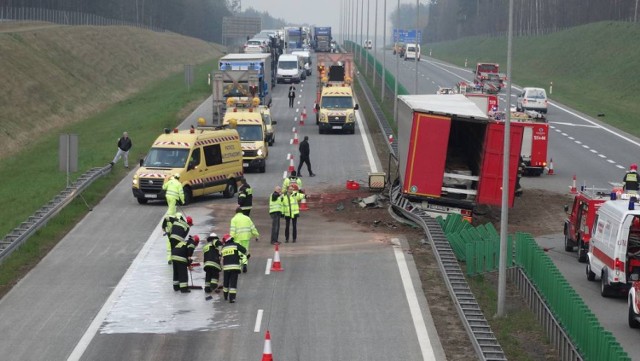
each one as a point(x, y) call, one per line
point(453, 19)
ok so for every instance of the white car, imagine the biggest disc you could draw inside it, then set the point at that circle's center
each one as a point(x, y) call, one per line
point(412, 52)
point(256, 46)
point(533, 99)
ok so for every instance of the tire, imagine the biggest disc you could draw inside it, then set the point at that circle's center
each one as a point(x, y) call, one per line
point(263, 168)
point(352, 131)
point(582, 252)
point(229, 190)
point(188, 195)
point(590, 275)
point(633, 320)
point(320, 130)
point(605, 289)
point(142, 200)
point(568, 245)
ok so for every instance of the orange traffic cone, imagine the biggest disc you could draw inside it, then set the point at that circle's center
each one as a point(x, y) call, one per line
point(276, 266)
point(295, 138)
point(291, 166)
point(303, 204)
point(573, 189)
point(390, 138)
point(550, 171)
point(266, 353)
point(304, 115)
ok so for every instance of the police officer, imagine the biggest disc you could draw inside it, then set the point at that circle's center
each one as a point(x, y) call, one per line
point(181, 259)
point(292, 179)
point(173, 193)
point(630, 180)
point(231, 252)
point(211, 255)
point(245, 196)
point(291, 211)
point(242, 229)
point(275, 211)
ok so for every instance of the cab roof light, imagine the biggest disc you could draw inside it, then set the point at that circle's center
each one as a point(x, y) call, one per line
point(175, 130)
point(192, 129)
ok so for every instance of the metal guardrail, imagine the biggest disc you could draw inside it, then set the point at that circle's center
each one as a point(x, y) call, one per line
point(40, 218)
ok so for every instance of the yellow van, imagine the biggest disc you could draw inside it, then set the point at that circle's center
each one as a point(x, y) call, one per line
point(336, 110)
point(269, 124)
point(208, 159)
point(244, 116)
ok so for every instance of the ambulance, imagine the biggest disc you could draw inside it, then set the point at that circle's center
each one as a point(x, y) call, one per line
point(208, 160)
point(614, 248)
point(243, 115)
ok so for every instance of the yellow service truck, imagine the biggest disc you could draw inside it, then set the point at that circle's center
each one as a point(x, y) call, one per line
point(337, 110)
point(208, 160)
point(245, 117)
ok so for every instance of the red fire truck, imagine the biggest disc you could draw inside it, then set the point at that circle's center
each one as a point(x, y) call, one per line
point(580, 218)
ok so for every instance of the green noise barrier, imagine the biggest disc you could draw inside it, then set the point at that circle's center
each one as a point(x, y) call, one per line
point(359, 54)
point(479, 248)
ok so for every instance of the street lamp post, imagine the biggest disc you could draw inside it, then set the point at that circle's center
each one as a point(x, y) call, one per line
point(395, 94)
point(384, 48)
point(417, 43)
point(361, 28)
point(375, 43)
point(366, 54)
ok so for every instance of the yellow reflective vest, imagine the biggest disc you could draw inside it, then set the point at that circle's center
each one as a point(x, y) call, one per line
point(173, 189)
point(290, 204)
point(242, 228)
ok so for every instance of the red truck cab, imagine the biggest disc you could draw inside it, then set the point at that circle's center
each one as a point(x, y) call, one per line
point(579, 223)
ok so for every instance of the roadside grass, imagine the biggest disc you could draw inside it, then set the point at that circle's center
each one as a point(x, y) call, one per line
point(32, 177)
point(593, 67)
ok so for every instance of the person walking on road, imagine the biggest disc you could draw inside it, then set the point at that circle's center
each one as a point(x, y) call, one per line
point(181, 259)
point(242, 229)
point(212, 268)
point(275, 211)
point(291, 211)
point(292, 95)
point(304, 156)
point(292, 179)
point(124, 144)
point(630, 180)
point(173, 193)
point(231, 252)
point(245, 196)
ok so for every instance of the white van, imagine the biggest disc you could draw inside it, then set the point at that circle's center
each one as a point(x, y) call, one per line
point(532, 99)
point(305, 57)
point(412, 52)
point(289, 69)
point(614, 249)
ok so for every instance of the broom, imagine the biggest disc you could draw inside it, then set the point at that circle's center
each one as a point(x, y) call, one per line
point(192, 286)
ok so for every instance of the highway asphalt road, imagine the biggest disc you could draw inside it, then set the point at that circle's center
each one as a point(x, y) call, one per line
point(595, 152)
point(104, 293)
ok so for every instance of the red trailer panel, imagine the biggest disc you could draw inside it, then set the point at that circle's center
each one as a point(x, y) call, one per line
point(490, 184)
point(427, 155)
point(539, 145)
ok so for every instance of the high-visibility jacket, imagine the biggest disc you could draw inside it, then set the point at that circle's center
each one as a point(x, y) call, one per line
point(290, 204)
point(275, 203)
point(179, 231)
point(631, 181)
point(211, 254)
point(231, 252)
point(245, 197)
point(167, 223)
point(173, 189)
point(242, 228)
point(288, 181)
point(182, 251)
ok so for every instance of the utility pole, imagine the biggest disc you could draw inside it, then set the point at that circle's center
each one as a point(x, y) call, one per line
point(366, 54)
point(415, 91)
point(384, 49)
point(395, 95)
point(375, 43)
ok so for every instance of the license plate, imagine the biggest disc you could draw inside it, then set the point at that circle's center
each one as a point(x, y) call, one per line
point(151, 196)
point(336, 127)
point(245, 165)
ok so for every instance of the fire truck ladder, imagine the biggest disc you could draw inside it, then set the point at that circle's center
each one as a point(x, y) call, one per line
point(483, 339)
point(39, 219)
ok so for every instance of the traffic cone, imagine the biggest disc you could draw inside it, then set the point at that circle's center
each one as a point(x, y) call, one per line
point(550, 171)
point(390, 138)
point(304, 115)
point(276, 266)
point(303, 204)
point(295, 138)
point(291, 166)
point(573, 189)
point(266, 353)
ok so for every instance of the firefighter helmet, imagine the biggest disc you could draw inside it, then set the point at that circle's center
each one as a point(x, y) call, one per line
point(633, 166)
point(189, 221)
point(226, 238)
point(196, 239)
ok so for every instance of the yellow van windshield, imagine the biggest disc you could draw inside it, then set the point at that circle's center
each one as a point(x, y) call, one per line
point(166, 158)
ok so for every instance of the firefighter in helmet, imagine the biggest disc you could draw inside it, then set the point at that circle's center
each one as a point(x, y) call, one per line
point(630, 180)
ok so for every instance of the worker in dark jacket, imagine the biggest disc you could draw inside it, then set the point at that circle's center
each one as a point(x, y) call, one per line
point(231, 252)
point(304, 156)
point(181, 259)
point(167, 225)
point(211, 254)
point(179, 231)
point(630, 180)
point(124, 144)
point(245, 196)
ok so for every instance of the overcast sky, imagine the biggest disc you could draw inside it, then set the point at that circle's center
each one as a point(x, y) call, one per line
point(317, 12)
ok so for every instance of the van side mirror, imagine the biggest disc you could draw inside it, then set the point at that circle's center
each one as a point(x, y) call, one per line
point(356, 107)
point(191, 166)
point(141, 161)
point(274, 122)
point(566, 208)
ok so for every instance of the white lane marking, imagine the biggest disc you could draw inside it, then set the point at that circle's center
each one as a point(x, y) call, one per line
point(577, 125)
point(593, 150)
point(414, 307)
point(585, 146)
point(367, 147)
point(611, 161)
point(602, 156)
point(91, 331)
point(571, 138)
point(619, 166)
point(288, 156)
point(577, 142)
point(284, 174)
point(565, 134)
point(293, 129)
point(290, 141)
point(258, 321)
point(267, 269)
point(295, 119)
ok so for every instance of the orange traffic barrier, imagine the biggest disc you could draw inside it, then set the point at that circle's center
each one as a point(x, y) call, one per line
point(276, 266)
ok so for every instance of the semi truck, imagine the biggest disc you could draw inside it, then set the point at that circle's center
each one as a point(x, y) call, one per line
point(322, 39)
point(450, 154)
point(242, 75)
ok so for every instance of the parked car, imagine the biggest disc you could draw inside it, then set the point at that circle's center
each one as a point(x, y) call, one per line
point(532, 99)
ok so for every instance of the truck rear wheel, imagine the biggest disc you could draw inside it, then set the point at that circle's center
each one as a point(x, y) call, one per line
point(568, 244)
point(590, 275)
point(582, 252)
point(188, 195)
point(142, 200)
point(605, 289)
point(633, 317)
